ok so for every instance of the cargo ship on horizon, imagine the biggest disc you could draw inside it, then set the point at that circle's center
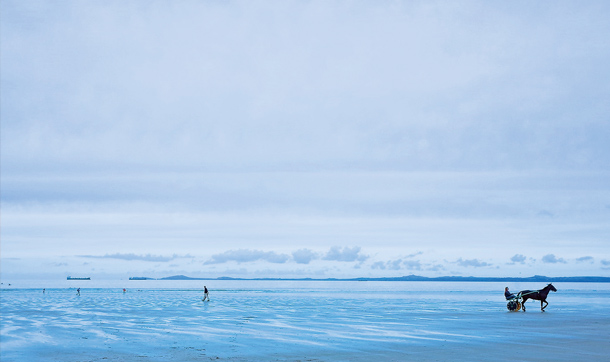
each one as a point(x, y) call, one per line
point(72, 278)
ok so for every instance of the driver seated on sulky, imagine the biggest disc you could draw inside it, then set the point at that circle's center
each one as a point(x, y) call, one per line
point(508, 295)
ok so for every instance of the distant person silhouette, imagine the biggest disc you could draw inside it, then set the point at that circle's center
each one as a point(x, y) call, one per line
point(205, 294)
point(78, 291)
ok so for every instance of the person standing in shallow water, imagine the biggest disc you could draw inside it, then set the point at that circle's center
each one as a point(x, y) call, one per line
point(205, 294)
point(78, 291)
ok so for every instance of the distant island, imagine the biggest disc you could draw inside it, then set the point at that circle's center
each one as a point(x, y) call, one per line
point(415, 278)
point(141, 278)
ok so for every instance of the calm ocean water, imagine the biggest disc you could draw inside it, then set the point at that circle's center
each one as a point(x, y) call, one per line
point(158, 320)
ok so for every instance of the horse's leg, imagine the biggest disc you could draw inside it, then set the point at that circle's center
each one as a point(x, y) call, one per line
point(546, 303)
point(523, 304)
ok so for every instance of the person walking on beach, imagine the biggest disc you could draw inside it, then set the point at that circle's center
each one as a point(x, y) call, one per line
point(78, 291)
point(205, 294)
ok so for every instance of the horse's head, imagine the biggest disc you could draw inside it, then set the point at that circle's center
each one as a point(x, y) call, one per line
point(551, 287)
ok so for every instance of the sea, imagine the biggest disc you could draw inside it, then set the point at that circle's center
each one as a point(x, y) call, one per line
point(276, 320)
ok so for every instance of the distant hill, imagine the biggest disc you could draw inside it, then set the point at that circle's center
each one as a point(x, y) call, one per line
point(181, 277)
point(417, 278)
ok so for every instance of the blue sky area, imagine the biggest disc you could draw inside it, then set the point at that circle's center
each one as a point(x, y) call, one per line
point(305, 138)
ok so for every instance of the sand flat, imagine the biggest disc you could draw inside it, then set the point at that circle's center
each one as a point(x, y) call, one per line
point(343, 322)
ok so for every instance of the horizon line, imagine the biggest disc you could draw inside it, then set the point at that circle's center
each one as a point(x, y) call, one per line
point(412, 277)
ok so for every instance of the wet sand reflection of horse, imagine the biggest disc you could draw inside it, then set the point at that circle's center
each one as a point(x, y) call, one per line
point(537, 295)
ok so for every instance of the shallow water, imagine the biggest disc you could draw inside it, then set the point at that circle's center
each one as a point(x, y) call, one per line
point(281, 320)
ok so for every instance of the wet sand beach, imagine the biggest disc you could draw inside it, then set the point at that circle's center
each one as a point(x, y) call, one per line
point(308, 322)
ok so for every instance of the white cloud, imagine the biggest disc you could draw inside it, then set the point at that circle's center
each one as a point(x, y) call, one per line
point(245, 256)
point(436, 268)
point(585, 259)
point(552, 259)
point(518, 258)
point(346, 254)
point(398, 264)
point(475, 263)
point(412, 264)
point(304, 256)
point(379, 265)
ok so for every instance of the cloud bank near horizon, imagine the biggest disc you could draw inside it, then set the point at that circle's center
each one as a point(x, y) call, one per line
point(244, 256)
point(418, 261)
point(270, 264)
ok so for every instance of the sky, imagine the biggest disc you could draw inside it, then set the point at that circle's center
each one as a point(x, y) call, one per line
point(304, 139)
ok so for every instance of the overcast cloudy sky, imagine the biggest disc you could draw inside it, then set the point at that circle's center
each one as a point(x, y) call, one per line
point(305, 138)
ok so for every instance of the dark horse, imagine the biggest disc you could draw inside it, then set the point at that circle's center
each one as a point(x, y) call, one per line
point(537, 295)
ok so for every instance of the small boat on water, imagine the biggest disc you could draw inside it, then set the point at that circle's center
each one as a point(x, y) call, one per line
point(72, 278)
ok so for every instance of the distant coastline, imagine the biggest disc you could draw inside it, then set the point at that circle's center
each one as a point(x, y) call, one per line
point(414, 278)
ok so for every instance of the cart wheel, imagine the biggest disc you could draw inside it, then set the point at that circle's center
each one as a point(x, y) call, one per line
point(513, 305)
point(518, 306)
